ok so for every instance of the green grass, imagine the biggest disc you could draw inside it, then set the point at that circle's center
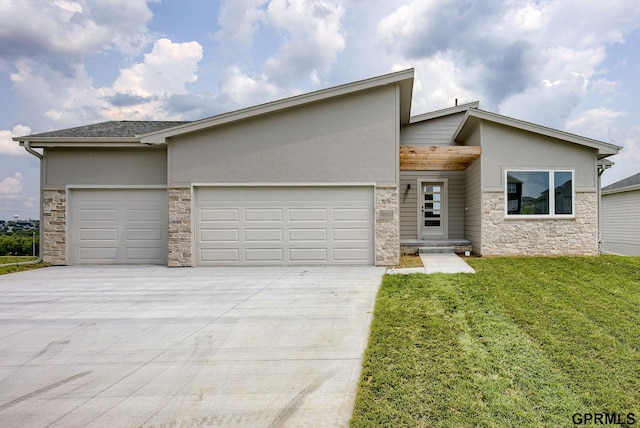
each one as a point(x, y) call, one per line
point(525, 342)
point(15, 267)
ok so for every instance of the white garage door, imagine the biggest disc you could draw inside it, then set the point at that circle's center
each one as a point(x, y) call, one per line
point(118, 226)
point(284, 225)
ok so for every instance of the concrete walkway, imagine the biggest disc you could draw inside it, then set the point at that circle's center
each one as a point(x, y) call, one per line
point(437, 263)
point(151, 346)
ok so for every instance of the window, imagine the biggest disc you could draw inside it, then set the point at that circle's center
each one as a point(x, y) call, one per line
point(527, 193)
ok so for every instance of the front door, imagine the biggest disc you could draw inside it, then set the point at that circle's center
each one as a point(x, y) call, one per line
point(432, 209)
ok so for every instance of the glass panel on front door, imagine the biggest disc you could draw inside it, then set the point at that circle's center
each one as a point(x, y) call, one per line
point(432, 208)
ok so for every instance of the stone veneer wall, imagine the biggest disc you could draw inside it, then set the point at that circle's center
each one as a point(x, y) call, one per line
point(54, 227)
point(387, 226)
point(539, 237)
point(180, 231)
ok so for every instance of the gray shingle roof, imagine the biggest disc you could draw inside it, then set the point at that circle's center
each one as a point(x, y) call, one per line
point(634, 180)
point(111, 129)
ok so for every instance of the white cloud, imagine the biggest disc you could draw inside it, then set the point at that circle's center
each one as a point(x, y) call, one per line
point(313, 38)
point(594, 123)
point(165, 70)
point(11, 187)
point(10, 147)
point(53, 99)
point(65, 30)
point(438, 83)
point(238, 23)
point(547, 103)
point(245, 90)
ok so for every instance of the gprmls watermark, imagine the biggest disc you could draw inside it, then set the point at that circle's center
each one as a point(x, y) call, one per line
point(604, 418)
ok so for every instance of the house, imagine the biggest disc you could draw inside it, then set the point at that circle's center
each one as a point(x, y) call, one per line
point(343, 175)
point(619, 220)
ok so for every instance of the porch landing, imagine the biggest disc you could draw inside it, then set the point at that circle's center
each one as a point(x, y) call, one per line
point(419, 246)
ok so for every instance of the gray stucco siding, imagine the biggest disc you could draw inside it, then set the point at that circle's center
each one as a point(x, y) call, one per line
point(508, 148)
point(345, 139)
point(104, 166)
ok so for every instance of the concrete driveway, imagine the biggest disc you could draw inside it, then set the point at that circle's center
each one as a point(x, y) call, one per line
point(153, 346)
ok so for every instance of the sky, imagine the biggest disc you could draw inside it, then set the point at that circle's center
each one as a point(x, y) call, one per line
point(572, 65)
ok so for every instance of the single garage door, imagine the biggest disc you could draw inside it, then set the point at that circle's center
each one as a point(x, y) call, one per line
point(284, 225)
point(118, 226)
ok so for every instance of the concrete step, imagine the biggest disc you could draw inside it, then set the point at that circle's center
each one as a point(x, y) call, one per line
point(433, 249)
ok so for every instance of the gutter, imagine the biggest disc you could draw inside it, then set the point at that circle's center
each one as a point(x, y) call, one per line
point(27, 147)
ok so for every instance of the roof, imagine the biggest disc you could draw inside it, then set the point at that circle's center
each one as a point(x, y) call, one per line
point(474, 116)
point(402, 78)
point(121, 128)
point(111, 132)
point(444, 112)
point(624, 185)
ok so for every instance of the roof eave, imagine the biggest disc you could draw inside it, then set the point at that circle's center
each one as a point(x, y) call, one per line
point(47, 142)
point(402, 78)
point(604, 149)
point(621, 189)
point(444, 112)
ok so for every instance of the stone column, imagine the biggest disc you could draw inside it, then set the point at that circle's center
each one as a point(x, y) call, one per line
point(180, 236)
point(387, 225)
point(54, 227)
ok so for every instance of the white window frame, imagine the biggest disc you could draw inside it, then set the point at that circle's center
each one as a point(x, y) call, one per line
point(552, 199)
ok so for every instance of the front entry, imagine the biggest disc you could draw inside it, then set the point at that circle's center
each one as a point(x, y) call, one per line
point(432, 209)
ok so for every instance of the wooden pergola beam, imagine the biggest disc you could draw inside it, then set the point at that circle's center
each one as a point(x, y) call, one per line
point(438, 158)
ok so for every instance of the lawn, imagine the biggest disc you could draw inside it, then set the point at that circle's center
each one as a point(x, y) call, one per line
point(17, 268)
point(527, 342)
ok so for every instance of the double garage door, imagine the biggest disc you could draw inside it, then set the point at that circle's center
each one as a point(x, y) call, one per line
point(118, 226)
point(233, 226)
point(284, 225)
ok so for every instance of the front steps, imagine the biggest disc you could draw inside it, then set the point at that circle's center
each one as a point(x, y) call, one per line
point(435, 246)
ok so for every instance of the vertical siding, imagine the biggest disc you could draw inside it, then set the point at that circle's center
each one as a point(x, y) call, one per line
point(473, 203)
point(619, 225)
point(432, 132)
point(409, 202)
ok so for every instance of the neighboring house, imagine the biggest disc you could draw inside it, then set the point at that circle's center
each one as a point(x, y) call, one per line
point(620, 217)
point(339, 176)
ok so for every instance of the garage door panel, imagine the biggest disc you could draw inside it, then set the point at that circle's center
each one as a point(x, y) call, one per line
point(308, 214)
point(100, 254)
point(315, 255)
point(96, 214)
point(118, 226)
point(143, 254)
point(350, 254)
point(145, 235)
point(219, 235)
point(285, 225)
point(264, 255)
point(351, 235)
point(263, 215)
point(349, 214)
point(307, 235)
point(98, 234)
point(151, 215)
point(215, 215)
point(263, 235)
point(101, 196)
point(220, 255)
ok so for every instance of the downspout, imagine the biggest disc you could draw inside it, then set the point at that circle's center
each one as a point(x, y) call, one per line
point(600, 169)
point(27, 147)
